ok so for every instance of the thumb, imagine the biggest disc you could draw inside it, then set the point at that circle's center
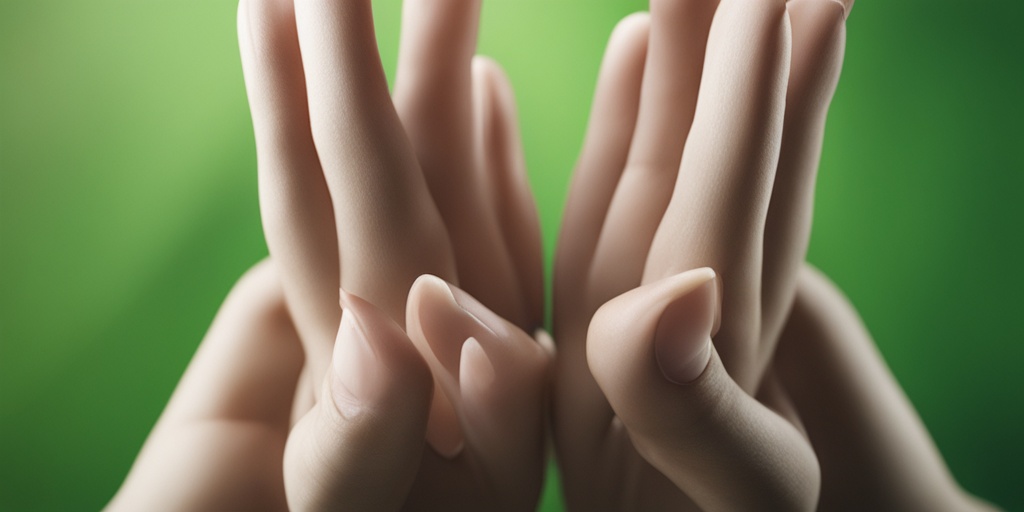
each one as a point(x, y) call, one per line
point(359, 448)
point(650, 351)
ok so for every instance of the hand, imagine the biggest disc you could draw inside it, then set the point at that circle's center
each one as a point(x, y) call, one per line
point(660, 418)
point(220, 444)
point(366, 192)
point(875, 452)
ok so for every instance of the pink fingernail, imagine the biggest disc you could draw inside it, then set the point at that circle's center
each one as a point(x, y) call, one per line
point(355, 381)
point(682, 342)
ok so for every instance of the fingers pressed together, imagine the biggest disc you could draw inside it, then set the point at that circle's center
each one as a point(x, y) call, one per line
point(701, 154)
point(367, 191)
point(711, 166)
point(407, 269)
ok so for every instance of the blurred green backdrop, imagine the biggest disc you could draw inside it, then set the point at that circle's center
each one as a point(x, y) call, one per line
point(128, 208)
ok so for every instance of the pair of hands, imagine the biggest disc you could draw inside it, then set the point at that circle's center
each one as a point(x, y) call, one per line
point(427, 392)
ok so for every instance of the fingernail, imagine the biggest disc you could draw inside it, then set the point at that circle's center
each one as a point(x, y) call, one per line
point(446, 327)
point(474, 308)
point(545, 341)
point(356, 374)
point(476, 372)
point(454, 317)
point(682, 342)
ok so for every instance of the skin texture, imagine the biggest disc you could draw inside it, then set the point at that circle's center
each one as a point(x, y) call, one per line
point(702, 365)
point(668, 393)
point(219, 443)
point(226, 442)
point(875, 452)
point(366, 191)
point(640, 212)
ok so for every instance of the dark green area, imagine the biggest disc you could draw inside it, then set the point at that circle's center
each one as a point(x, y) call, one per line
point(128, 207)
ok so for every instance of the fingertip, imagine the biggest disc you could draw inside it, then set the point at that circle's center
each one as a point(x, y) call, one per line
point(847, 6)
point(500, 95)
point(817, 16)
point(819, 30)
point(425, 295)
point(373, 347)
point(546, 342)
point(362, 442)
point(442, 316)
point(444, 433)
point(441, 329)
point(436, 321)
point(633, 25)
point(486, 67)
point(476, 371)
point(682, 339)
point(628, 41)
point(681, 308)
point(651, 347)
point(356, 377)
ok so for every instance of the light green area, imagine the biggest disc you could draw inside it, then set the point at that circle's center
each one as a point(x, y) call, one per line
point(128, 207)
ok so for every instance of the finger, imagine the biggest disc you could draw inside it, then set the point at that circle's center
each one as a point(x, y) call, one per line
point(388, 227)
point(679, 32)
point(651, 352)
point(847, 7)
point(612, 120)
point(249, 362)
point(509, 188)
point(359, 448)
point(222, 436)
point(581, 410)
point(441, 319)
point(434, 93)
point(671, 80)
point(305, 395)
point(818, 39)
point(295, 205)
point(546, 342)
point(493, 376)
point(717, 214)
point(435, 97)
point(875, 452)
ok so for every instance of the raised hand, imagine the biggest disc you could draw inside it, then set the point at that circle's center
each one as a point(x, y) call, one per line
point(366, 192)
point(688, 378)
point(874, 451)
point(361, 447)
point(221, 442)
point(701, 154)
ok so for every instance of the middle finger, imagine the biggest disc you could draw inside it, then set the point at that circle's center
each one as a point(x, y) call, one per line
point(672, 75)
point(434, 95)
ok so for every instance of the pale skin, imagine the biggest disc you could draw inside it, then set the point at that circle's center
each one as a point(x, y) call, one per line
point(699, 359)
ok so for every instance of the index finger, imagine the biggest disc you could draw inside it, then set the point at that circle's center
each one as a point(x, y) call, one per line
point(389, 230)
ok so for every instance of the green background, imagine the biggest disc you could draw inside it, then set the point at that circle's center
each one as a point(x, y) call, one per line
point(128, 208)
